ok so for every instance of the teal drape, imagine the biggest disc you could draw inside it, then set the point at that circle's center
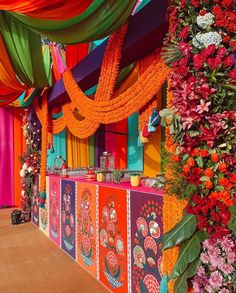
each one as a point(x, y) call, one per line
point(59, 148)
point(98, 21)
point(135, 152)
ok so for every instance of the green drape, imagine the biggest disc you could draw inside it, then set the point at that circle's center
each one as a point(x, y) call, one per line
point(25, 51)
point(59, 148)
point(100, 19)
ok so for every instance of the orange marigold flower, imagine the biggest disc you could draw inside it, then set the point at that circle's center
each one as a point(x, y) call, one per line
point(203, 153)
point(194, 152)
point(222, 167)
point(233, 178)
point(176, 158)
point(190, 162)
point(223, 181)
point(208, 172)
point(215, 157)
point(186, 169)
point(208, 184)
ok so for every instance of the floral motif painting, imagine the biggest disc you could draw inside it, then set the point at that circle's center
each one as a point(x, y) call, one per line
point(86, 217)
point(44, 212)
point(68, 243)
point(146, 230)
point(35, 204)
point(113, 238)
point(54, 209)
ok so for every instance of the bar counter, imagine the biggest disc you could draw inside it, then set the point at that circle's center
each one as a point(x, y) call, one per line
point(112, 230)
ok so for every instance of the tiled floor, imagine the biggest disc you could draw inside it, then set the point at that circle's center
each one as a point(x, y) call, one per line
point(31, 263)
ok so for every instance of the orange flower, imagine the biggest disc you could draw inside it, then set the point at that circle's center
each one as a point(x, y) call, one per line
point(215, 157)
point(186, 169)
point(190, 162)
point(208, 172)
point(229, 186)
point(214, 195)
point(228, 202)
point(208, 184)
point(224, 195)
point(203, 153)
point(222, 167)
point(194, 152)
point(176, 158)
point(223, 181)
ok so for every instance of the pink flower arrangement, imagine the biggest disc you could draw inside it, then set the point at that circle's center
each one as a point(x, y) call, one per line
point(217, 266)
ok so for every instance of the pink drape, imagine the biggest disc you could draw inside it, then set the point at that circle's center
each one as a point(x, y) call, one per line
point(6, 158)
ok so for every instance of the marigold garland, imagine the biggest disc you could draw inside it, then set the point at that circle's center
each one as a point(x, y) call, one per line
point(172, 211)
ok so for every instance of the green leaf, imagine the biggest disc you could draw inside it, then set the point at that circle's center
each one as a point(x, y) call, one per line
point(199, 161)
point(181, 284)
point(204, 178)
point(192, 268)
point(183, 230)
point(189, 251)
point(232, 221)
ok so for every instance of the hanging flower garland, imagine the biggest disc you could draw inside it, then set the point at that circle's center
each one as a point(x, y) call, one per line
point(200, 49)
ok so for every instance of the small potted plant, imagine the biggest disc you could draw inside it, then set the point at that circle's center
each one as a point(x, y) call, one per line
point(134, 179)
point(118, 175)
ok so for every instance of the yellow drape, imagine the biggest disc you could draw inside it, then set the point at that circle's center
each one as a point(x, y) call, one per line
point(152, 149)
point(77, 151)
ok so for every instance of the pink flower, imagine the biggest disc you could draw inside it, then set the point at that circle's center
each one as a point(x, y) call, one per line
point(227, 244)
point(216, 280)
point(224, 291)
point(205, 258)
point(203, 107)
point(226, 268)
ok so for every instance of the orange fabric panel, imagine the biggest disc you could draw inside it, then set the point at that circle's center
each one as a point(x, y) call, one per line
point(44, 9)
point(152, 149)
point(18, 150)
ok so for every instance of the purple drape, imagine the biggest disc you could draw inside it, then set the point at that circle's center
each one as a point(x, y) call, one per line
point(6, 158)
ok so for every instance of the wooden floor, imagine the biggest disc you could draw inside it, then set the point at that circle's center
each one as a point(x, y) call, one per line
point(31, 263)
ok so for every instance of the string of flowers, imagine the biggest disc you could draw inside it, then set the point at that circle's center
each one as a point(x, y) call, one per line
point(30, 163)
point(200, 48)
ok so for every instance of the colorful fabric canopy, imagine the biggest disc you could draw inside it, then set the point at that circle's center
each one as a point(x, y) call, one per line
point(100, 19)
point(25, 51)
point(53, 9)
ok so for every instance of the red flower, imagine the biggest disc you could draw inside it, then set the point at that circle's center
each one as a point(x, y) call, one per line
point(203, 153)
point(227, 3)
point(186, 169)
point(223, 181)
point(184, 33)
point(195, 3)
point(228, 61)
point(222, 167)
point(210, 50)
point(208, 184)
point(233, 178)
point(221, 52)
point(226, 39)
point(232, 74)
point(198, 61)
point(233, 44)
point(209, 172)
point(214, 157)
point(203, 12)
point(214, 63)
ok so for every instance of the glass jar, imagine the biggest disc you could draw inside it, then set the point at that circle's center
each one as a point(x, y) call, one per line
point(107, 161)
point(58, 162)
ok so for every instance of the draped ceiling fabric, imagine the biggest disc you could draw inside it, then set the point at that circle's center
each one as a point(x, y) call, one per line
point(25, 51)
point(100, 19)
point(45, 9)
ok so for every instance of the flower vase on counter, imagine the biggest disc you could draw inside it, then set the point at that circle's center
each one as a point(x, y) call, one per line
point(135, 180)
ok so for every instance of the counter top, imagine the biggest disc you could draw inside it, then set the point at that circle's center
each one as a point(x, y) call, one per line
point(124, 185)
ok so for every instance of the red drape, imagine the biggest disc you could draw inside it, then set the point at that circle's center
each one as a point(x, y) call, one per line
point(47, 9)
point(75, 53)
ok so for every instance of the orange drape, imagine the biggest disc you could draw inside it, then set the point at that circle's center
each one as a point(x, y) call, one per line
point(47, 9)
point(19, 146)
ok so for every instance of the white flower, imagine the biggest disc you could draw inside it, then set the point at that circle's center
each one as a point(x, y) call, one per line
point(205, 21)
point(25, 166)
point(22, 192)
point(22, 172)
point(204, 40)
point(30, 169)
